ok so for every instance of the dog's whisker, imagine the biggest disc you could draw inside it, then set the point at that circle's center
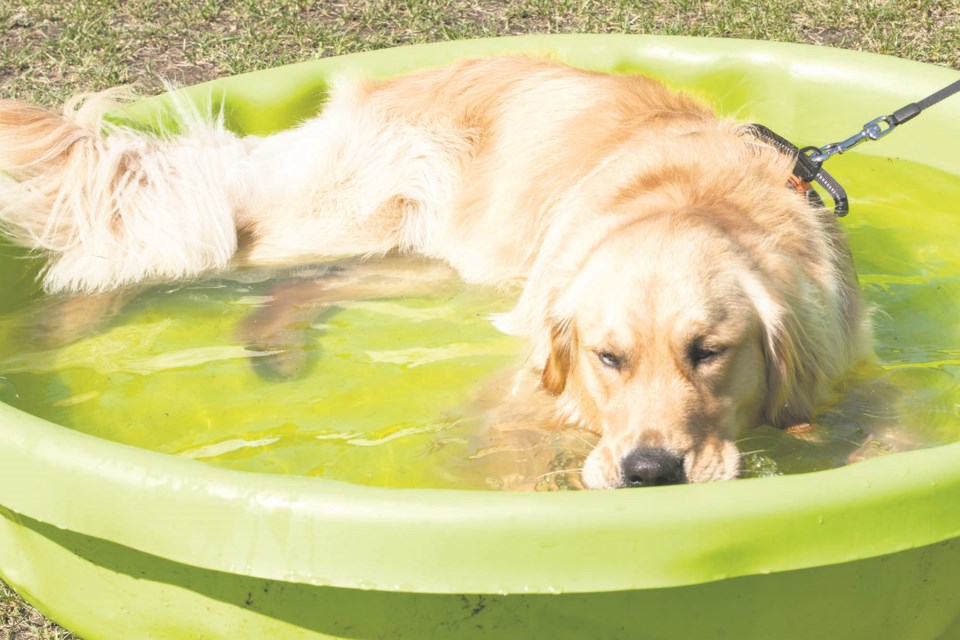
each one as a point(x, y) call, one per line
point(576, 448)
point(575, 436)
point(556, 472)
point(748, 439)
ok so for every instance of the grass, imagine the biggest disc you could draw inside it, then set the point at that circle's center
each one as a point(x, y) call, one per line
point(51, 49)
point(20, 621)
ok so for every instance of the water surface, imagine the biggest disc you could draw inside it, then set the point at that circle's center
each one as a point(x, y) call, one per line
point(401, 391)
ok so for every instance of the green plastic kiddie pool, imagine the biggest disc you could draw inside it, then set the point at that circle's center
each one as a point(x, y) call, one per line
point(119, 541)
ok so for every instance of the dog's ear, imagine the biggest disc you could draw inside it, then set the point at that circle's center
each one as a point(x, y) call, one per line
point(560, 361)
point(792, 375)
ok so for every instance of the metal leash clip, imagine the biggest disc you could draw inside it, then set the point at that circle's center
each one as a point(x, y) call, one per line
point(873, 130)
point(879, 127)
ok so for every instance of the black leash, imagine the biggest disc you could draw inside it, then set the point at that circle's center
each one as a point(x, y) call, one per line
point(809, 167)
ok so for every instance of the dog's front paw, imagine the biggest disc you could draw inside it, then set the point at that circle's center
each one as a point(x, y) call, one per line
point(882, 444)
point(278, 364)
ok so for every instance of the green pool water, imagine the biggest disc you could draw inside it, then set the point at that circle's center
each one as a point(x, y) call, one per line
point(397, 390)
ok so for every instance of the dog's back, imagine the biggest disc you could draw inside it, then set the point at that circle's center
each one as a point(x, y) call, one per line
point(460, 162)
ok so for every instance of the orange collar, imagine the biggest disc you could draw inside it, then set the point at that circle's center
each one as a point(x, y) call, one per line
point(798, 183)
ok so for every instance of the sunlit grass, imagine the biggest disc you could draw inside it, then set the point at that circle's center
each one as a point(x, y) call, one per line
point(51, 50)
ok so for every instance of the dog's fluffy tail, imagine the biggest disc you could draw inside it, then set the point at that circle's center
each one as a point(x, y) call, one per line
point(110, 206)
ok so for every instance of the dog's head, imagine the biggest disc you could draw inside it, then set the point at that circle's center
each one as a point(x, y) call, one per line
point(669, 341)
point(675, 302)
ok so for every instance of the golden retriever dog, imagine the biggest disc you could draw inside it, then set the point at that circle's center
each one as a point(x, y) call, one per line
point(674, 289)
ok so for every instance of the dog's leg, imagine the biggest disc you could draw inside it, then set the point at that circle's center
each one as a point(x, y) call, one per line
point(877, 407)
point(67, 318)
point(277, 333)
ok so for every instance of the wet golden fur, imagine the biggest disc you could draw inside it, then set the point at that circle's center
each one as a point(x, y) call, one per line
point(674, 290)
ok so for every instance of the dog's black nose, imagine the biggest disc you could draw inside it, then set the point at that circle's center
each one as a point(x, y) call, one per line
point(650, 467)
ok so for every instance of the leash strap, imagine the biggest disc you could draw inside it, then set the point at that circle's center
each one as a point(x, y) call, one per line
point(913, 109)
point(879, 127)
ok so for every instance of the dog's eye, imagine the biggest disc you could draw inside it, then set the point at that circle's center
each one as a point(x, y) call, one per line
point(609, 360)
point(700, 353)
